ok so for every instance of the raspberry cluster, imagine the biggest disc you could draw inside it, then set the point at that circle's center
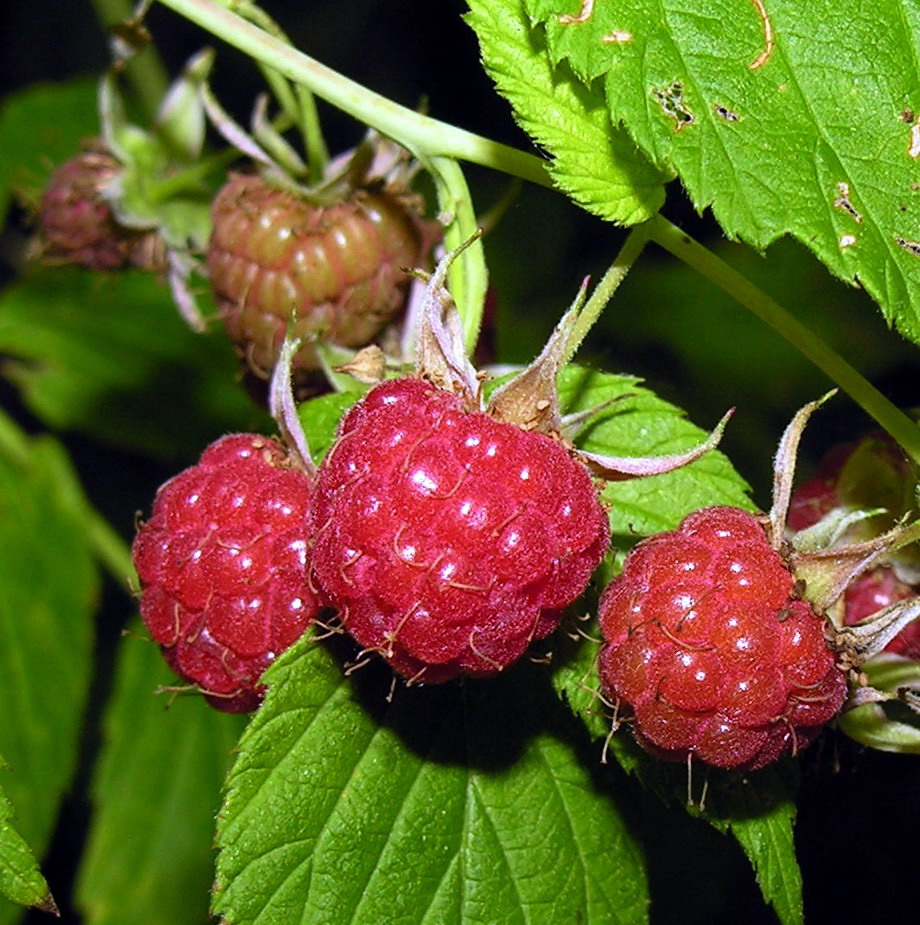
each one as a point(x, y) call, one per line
point(447, 540)
point(709, 648)
point(222, 565)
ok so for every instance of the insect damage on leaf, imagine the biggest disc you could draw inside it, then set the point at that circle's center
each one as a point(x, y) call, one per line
point(912, 247)
point(843, 203)
point(671, 101)
point(614, 37)
point(725, 113)
point(913, 149)
point(768, 42)
point(583, 15)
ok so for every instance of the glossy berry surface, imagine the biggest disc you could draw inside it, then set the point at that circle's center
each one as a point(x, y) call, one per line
point(710, 651)
point(448, 540)
point(77, 224)
point(338, 270)
point(222, 565)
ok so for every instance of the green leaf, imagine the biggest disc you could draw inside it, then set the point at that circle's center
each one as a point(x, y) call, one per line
point(20, 879)
point(638, 423)
point(149, 859)
point(40, 128)
point(785, 118)
point(762, 819)
point(444, 804)
point(597, 165)
point(320, 418)
point(109, 355)
point(50, 587)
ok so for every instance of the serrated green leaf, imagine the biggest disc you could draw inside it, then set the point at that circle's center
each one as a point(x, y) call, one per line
point(109, 355)
point(446, 804)
point(149, 859)
point(40, 128)
point(785, 118)
point(639, 423)
point(598, 166)
point(50, 587)
point(20, 879)
point(762, 820)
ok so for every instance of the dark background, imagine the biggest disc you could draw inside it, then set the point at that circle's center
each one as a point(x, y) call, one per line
point(859, 810)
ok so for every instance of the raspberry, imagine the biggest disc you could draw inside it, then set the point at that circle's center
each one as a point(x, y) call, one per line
point(336, 269)
point(874, 590)
point(448, 540)
point(707, 645)
point(222, 567)
point(78, 226)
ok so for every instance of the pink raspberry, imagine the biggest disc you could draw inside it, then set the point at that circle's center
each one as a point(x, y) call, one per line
point(709, 648)
point(334, 272)
point(78, 225)
point(222, 565)
point(448, 540)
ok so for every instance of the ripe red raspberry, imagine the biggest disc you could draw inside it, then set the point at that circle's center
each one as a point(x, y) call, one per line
point(706, 644)
point(874, 590)
point(78, 226)
point(448, 540)
point(338, 269)
point(222, 565)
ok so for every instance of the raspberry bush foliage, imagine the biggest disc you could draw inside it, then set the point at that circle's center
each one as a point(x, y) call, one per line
point(672, 210)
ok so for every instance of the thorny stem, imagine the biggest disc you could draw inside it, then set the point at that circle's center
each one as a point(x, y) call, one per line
point(144, 71)
point(429, 138)
point(629, 253)
point(891, 418)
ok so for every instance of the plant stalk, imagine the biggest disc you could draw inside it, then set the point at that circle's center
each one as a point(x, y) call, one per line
point(873, 402)
point(145, 72)
point(603, 292)
point(422, 135)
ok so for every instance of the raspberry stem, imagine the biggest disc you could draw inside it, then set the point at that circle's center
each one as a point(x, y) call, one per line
point(629, 253)
point(298, 104)
point(873, 402)
point(422, 135)
point(467, 274)
point(145, 71)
